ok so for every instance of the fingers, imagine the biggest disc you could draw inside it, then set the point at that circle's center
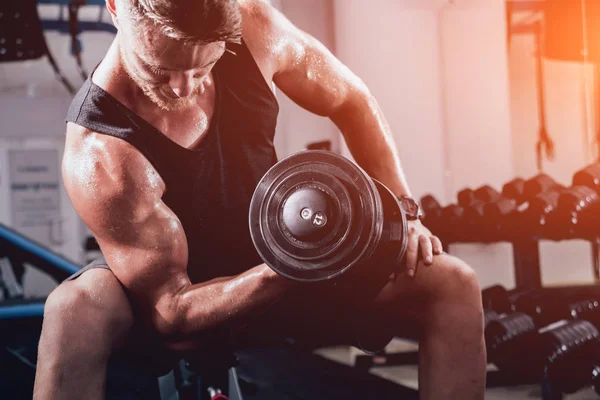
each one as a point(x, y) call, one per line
point(426, 249)
point(412, 254)
point(429, 245)
point(438, 248)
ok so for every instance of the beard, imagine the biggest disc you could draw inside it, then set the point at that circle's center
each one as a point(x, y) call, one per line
point(157, 95)
point(163, 101)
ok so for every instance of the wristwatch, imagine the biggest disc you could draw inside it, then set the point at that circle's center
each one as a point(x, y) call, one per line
point(411, 207)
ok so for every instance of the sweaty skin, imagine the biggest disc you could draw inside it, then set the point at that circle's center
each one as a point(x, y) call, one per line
point(118, 193)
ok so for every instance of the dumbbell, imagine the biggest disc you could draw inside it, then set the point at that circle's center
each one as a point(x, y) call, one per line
point(490, 216)
point(453, 226)
point(575, 215)
point(498, 302)
point(316, 216)
point(588, 176)
point(538, 199)
point(483, 194)
point(456, 222)
point(570, 354)
point(496, 216)
point(463, 215)
point(477, 212)
point(432, 214)
point(540, 183)
point(473, 219)
point(546, 308)
point(566, 352)
point(431, 206)
point(522, 205)
point(543, 305)
point(513, 330)
point(444, 222)
point(575, 211)
point(509, 335)
point(449, 223)
point(487, 215)
point(497, 298)
point(531, 223)
point(515, 190)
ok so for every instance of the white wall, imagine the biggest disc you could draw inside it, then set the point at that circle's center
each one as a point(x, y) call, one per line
point(476, 99)
point(297, 127)
point(394, 47)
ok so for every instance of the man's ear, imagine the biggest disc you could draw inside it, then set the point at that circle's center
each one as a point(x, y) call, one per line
point(112, 9)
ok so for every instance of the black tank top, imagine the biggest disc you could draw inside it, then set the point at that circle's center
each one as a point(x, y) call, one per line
point(210, 187)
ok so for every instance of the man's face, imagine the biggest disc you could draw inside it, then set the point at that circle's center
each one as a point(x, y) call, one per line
point(170, 72)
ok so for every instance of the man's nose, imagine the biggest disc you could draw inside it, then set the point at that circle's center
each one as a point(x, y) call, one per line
point(182, 84)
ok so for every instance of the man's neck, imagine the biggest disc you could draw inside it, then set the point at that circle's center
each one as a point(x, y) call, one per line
point(111, 75)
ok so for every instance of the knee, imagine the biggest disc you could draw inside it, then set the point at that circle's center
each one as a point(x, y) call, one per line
point(77, 305)
point(455, 298)
point(456, 283)
point(62, 303)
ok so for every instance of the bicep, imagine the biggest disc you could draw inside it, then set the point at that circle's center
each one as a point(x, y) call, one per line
point(141, 238)
point(149, 257)
point(146, 249)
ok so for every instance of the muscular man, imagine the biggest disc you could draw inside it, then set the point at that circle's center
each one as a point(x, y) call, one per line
point(165, 144)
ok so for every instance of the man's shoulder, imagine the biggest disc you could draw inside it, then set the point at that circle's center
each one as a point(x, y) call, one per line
point(259, 26)
point(102, 167)
point(256, 10)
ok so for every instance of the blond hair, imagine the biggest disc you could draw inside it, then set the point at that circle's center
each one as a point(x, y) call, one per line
point(197, 21)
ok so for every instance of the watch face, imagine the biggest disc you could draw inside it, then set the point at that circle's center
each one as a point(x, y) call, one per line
point(410, 207)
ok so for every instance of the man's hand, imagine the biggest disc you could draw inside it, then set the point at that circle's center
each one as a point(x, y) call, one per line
point(420, 237)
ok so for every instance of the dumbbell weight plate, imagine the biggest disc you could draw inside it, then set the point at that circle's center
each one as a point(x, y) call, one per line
point(314, 215)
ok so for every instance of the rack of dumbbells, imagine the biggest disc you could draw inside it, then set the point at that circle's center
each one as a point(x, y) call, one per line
point(534, 334)
point(548, 335)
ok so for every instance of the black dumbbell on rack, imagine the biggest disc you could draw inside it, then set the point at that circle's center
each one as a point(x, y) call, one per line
point(545, 305)
point(564, 356)
point(515, 190)
point(536, 200)
point(474, 204)
point(432, 214)
point(535, 334)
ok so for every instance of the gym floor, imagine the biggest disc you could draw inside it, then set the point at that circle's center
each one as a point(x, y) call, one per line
point(407, 375)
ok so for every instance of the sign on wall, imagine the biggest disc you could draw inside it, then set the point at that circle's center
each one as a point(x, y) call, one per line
point(35, 198)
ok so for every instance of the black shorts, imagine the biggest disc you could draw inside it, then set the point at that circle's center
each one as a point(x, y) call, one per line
point(310, 316)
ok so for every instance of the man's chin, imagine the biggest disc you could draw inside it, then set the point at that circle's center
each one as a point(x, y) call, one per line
point(169, 104)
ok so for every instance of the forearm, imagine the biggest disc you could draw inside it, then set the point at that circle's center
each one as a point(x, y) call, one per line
point(211, 304)
point(370, 141)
